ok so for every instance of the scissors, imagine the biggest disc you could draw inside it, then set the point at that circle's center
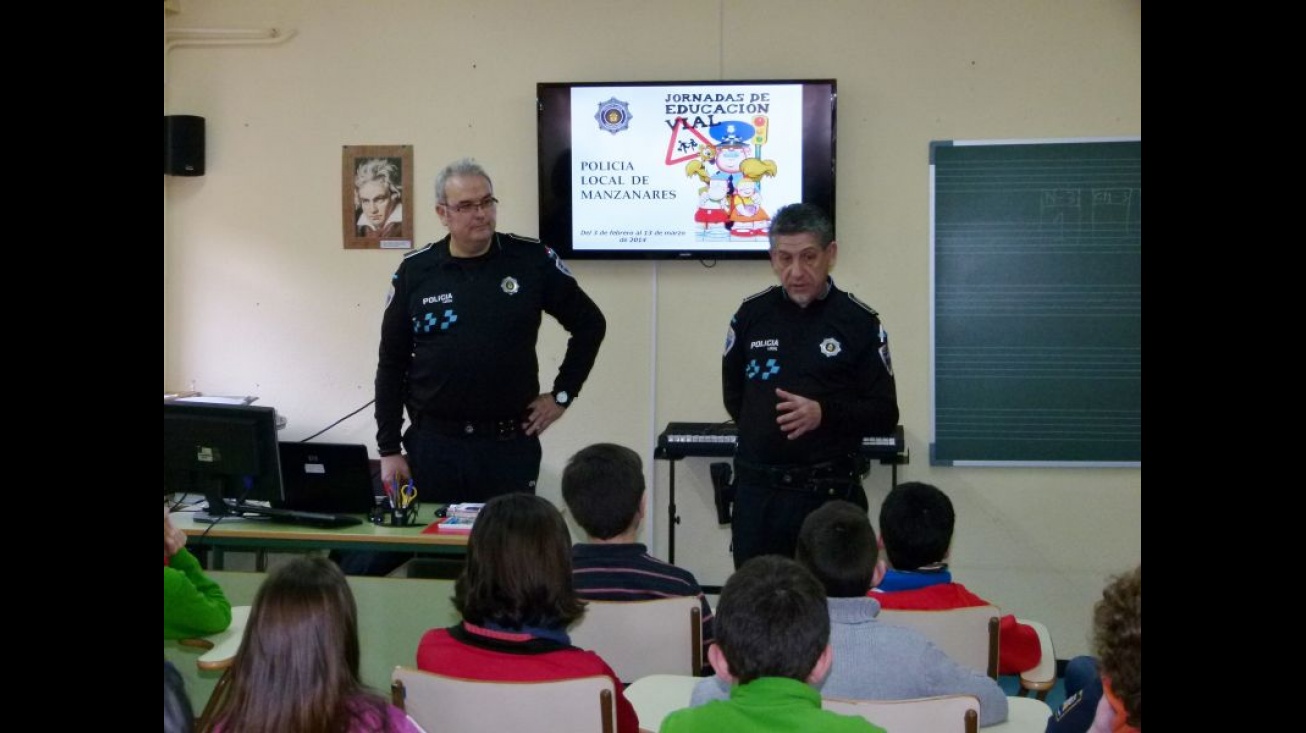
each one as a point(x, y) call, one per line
point(407, 494)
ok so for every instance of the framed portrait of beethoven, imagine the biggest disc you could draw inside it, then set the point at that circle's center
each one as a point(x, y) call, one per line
point(376, 184)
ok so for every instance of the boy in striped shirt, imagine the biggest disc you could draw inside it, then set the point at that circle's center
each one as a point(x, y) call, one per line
point(603, 486)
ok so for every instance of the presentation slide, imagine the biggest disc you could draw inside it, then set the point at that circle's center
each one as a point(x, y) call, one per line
point(683, 167)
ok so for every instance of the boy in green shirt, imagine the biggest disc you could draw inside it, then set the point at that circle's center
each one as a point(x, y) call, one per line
point(773, 644)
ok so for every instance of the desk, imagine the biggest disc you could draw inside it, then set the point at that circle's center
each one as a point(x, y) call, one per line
point(223, 645)
point(222, 648)
point(717, 440)
point(655, 696)
point(259, 534)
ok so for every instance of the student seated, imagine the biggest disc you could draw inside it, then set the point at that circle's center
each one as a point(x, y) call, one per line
point(297, 667)
point(1108, 696)
point(193, 605)
point(516, 598)
point(773, 634)
point(872, 660)
point(603, 486)
point(916, 523)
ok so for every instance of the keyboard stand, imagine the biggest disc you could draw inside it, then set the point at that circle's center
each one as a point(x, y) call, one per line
point(671, 454)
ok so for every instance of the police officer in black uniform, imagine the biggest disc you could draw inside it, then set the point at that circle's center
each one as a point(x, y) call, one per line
point(806, 375)
point(458, 351)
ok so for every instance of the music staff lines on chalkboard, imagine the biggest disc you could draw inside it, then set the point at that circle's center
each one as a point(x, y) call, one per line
point(1039, 362)
point(1041, 424)
point(1030, 301)
point(1036, 302)
point(1004, 237)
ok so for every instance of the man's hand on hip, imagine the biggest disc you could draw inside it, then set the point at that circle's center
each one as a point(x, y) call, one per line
point(541, 413)
point(798, 415)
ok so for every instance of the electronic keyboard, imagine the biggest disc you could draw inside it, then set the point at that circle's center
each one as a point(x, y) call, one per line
point(682, 439)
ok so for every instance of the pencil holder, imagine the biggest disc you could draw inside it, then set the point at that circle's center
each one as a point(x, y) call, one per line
point(386, 513)
point(404, 516)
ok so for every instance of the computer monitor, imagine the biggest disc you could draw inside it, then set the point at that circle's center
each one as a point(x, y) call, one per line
point(227, 453)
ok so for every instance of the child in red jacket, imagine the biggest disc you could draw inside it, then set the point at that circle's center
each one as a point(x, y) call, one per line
point(916, 522)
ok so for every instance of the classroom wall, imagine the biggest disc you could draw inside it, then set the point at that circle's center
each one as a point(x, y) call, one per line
point(261, 298)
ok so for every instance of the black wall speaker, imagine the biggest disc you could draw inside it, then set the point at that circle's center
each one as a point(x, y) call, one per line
point(183, 145)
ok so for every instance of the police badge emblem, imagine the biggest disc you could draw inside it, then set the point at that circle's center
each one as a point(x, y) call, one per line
point(831, 347)
point(509, 285)
point(884, 350)
point(613, 115)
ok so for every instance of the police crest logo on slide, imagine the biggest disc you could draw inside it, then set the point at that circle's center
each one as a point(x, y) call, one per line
point(613, 115)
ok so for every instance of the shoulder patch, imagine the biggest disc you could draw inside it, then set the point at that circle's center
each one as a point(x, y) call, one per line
point(416, 252)
point(520, 238)
point(562, 266)
point(884, 350)
point(864, 306)
point(760, 293)
point(730, 337)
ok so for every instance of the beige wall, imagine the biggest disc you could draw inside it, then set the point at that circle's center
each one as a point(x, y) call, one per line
point(260, 298)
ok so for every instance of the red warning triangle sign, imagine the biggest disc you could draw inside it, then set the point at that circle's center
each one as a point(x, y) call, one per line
point(686, 142)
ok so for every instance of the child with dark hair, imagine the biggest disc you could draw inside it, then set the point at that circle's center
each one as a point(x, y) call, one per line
point(916, 523)
point(516, 599)
point(872, 660)
point(603, 486)
point(773, 634)
point(297, 667)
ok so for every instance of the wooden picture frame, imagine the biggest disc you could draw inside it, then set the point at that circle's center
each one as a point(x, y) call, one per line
point(376, 190)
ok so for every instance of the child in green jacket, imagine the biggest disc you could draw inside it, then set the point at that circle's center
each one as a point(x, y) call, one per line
point(193, 605)
point(773, 644)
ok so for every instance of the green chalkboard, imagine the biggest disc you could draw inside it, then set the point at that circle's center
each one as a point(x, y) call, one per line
point(1036, 345)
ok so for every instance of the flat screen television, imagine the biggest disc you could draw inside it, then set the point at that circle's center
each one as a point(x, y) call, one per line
point(226, 453)
point(679, 170)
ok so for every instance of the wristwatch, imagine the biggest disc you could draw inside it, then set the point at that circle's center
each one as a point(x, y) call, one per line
point(561, 397)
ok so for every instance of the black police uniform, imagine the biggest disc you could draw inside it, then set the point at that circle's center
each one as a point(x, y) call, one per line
point(458, 352)
point(834, 351)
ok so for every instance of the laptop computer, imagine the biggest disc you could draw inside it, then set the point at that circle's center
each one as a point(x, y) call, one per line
point(327, 477)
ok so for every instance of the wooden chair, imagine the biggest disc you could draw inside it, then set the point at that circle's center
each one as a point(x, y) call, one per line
point(440, 703)
point(1043, 676)
point(656, 696)
point(943, 714)
point(642, 638)
point(968, 635)
point(221, 652)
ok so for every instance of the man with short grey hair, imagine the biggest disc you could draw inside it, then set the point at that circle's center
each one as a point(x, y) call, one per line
point(458, 351)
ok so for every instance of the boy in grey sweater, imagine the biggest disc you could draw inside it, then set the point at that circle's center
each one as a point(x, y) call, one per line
point(872, 660)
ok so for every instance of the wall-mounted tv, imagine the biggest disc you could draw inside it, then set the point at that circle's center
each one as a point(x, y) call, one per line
point(679, 170)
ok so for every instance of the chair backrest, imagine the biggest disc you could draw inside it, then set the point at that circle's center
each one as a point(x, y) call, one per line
point(968, 635)
point(440, 703)
point(640, 638)
point(220, 655)
point(944, 714)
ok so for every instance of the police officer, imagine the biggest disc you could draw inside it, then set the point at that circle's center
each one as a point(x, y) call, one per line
point(458, 351)
point(806, 375)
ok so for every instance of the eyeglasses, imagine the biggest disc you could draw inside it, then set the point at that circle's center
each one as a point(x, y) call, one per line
point(469, 207)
